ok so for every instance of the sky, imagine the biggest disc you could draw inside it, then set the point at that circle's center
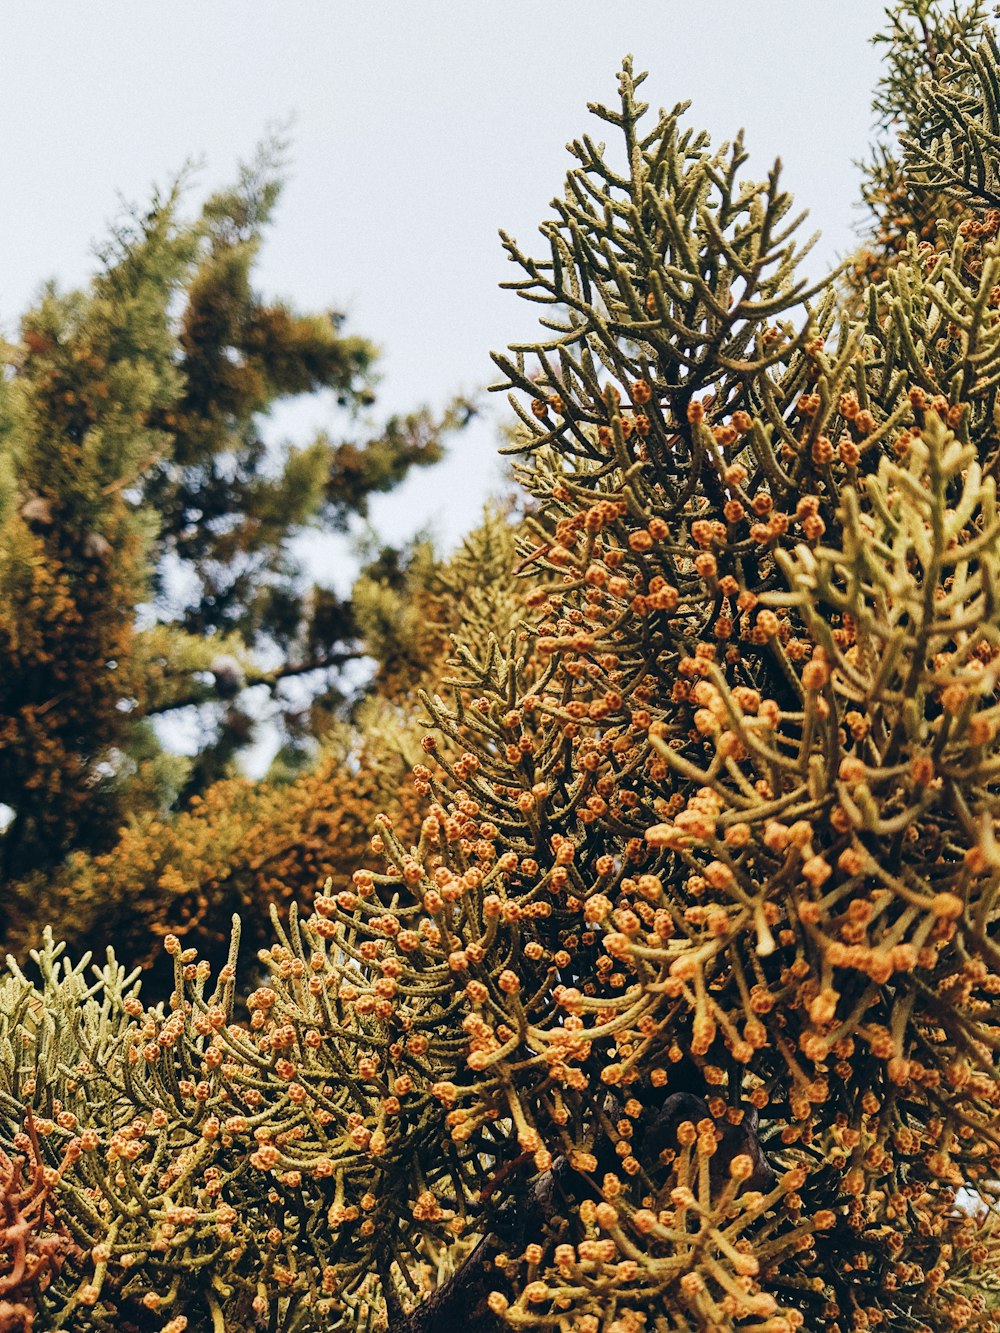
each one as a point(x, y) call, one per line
point(417, 131)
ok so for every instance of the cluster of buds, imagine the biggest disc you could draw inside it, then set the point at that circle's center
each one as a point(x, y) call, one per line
point(684, 996)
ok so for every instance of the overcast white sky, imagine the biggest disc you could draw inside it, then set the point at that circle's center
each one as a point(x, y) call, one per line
point(419, 130)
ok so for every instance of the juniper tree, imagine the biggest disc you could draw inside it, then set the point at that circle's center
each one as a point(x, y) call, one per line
point(679, 1012)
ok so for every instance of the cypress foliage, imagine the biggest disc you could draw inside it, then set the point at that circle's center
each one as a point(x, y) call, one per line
point(678, 1009)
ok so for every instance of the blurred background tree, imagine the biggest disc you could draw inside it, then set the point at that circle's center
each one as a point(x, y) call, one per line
point(148, 525)
point(243, 845)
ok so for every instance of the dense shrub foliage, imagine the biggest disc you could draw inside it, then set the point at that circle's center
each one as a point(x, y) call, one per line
point(672, 1004)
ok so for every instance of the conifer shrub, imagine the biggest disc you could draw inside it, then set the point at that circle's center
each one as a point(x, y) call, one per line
point(680, 1010)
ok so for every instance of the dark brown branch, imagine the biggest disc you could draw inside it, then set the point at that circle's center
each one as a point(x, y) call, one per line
point(461, 1303)
point(203, 694)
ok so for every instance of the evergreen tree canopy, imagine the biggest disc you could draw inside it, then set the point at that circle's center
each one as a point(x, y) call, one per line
point(146, 525)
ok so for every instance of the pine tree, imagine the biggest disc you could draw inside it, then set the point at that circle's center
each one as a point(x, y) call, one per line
point(679, 1010)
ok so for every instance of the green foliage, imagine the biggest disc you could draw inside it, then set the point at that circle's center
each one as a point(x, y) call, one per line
point(92, 374)
point(674, 1007)
point(921, 43)
point(960, 131)
point(136, 485)
point(411, 612)
point(920, 39)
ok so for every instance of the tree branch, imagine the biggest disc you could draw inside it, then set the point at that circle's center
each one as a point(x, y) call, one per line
point(204, 694)
point(461, 1302)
